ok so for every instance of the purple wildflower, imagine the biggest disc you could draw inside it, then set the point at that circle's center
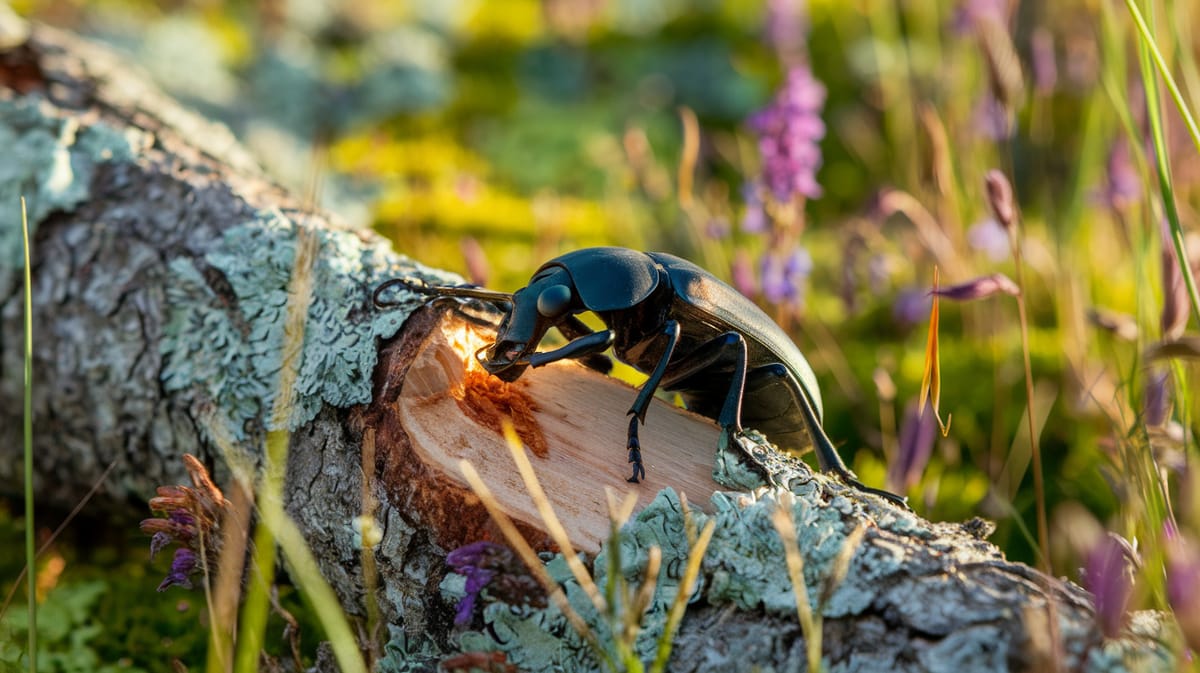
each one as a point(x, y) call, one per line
point(1042, 58)
point(786, 26)
point(183, 566)
point(789, 130)
point(1156, 401)
point(158, 542)
point(979, 288)
point(476, 554)
point(991, 119)
point(1183, 580)
point(474, 561)
point(754, 220)
point(916, 445)
point(879, 271)
point(1000, 199)
point(717, 228)
point(988, 237)
point(487, 565)
point(1123, 188)
point(1109, 577)
point(743, 274)
point(192, 514)
point(971, 13)
point(182, 517)
point(1183, 586)
point(783, 278)
point(477, 580)
point(911, 306)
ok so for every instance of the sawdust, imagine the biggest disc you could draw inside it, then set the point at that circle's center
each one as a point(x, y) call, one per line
point(488, 401)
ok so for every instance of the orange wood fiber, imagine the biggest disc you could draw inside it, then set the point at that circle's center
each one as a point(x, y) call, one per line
point(488, 401)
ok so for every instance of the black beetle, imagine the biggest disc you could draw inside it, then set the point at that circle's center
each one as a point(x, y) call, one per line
point(676, 322)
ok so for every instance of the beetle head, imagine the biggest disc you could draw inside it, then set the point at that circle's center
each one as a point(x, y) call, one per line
point(548, 299)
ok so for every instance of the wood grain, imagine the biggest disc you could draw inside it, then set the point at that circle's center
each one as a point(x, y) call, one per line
point(583, 416)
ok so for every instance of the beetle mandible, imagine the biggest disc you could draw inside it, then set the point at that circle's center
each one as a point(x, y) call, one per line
point(672, 320)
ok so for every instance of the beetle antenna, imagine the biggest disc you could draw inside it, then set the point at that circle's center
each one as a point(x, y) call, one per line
point(421, 287)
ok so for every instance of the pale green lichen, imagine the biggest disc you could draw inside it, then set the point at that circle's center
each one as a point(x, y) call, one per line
point(229, 349)
point(745, 568)
point(50, 160)
point(540, 639)
point(406, 654)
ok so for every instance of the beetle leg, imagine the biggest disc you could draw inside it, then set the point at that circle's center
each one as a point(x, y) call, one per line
point(827, 455)
point(642, 403)
point(573, 328)
point(724, 354)
point(581, 347)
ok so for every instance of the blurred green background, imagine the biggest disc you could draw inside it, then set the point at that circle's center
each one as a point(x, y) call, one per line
point(486, 137)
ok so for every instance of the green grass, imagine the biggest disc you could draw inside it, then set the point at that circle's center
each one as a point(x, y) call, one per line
point(551, 140)
point(27, 432)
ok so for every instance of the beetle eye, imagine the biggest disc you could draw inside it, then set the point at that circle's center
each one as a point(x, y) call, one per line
point(554, 301)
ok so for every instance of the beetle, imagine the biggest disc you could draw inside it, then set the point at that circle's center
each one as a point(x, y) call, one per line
point(687, 330)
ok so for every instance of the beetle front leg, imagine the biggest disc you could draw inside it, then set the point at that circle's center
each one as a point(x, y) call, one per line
point(573, 328)
point(637, 412)
point(589, 344)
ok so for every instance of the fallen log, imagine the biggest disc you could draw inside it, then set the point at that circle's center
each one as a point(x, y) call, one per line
point(164, 267)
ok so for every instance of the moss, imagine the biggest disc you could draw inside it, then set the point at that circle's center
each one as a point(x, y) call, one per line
point(229, 348)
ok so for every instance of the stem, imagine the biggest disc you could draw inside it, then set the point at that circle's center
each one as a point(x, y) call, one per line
point(1039, 490)
point(30, 554)
point(1165, 72)
point(253, 622)
point(1038, 487)
point(1148, 49)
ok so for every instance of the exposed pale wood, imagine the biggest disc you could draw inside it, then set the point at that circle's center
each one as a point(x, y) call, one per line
point(583, 415)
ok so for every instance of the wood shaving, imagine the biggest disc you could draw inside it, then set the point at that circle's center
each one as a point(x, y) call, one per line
point(488, 401)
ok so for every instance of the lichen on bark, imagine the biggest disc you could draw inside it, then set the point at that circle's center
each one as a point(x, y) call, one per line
point(939, 597)
point(49, 159)
point(224, 334)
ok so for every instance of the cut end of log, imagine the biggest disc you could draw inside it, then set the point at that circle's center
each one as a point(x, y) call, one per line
point(579, 414)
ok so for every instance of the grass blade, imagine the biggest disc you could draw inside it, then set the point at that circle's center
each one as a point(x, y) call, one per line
point(810, 622)
point(1148, 53)
point(1165, 72)
point(30, 550)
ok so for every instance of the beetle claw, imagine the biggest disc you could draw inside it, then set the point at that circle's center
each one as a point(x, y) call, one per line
point(635, 457)
point(851, 480)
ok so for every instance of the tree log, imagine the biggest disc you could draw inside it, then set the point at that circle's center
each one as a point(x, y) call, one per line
point(163, 262)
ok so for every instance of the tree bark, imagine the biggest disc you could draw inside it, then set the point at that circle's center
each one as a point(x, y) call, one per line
point(164, 267)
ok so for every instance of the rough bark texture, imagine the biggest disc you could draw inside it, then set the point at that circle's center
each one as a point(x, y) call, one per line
point(161, 275)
